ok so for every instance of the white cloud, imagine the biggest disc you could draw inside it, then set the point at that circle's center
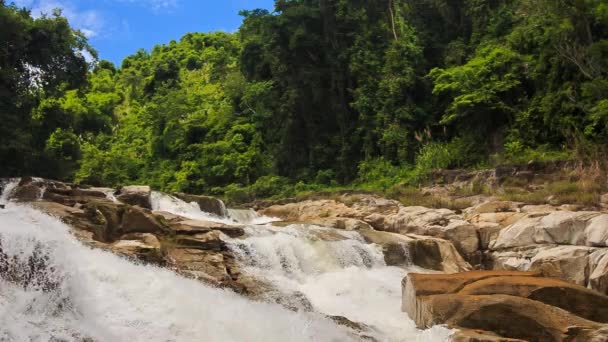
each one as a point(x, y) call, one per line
point(153, 4)
point(89, 22)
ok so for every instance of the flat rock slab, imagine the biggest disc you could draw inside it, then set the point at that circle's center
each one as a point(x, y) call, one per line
point(192, 227)
point(506, 304)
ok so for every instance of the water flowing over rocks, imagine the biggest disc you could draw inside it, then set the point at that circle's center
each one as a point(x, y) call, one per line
point(369, 240)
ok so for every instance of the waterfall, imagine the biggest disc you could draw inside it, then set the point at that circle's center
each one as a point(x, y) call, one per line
point(7, 189)
point(52, 288)
point(337, 272)
point(249, 216)
point(79, 293)
point(164, 202)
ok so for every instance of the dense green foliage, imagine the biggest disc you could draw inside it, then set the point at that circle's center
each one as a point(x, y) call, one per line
point(317, 93)
point(41, 62)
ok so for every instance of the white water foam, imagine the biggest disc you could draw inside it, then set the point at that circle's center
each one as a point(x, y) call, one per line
point(171, 204)
point(249, 217)
point(337, 272)
point(167, 203)
point(81, 292)
point(7, 190)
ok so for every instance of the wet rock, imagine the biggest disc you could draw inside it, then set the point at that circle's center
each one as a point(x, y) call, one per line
point(144, 247)
point(28, 192)
point(211, 241)
point(207, 266)
point(205, 203)
point(135, 195)
point(427, 252)
point(139, 220)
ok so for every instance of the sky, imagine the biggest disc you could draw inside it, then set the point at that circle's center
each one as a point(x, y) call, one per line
point(118, 28)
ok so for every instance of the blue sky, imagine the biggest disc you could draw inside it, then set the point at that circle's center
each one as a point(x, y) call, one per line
point(118, 28)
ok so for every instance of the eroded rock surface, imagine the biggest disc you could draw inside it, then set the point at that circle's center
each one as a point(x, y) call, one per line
point(510, 304)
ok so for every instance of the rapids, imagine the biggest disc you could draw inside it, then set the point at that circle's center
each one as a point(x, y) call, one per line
point(52, 288)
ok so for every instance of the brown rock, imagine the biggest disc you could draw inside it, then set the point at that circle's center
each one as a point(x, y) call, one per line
point(512, 305)
point(144, 247)
point(427, 252)
point(191, 227)
point(208, 266)
point(139, 220)
point(210, 241)
point(135, 195)
point(441, 223)
point(207, 204)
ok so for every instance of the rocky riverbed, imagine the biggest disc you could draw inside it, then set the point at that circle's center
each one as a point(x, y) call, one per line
point(562, 251)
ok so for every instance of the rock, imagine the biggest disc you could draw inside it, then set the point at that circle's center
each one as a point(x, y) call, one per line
point(75, 217)
point(598, 269)
point(205, 203)
point(560, 227)
point(470, 335)
point(211, 241)
point(569, 263)
point(2, 206)
point(310, 210)
point(513, 259)
point(27, 192)
point(426, 252)
point(144, 247)
point(596, 231)
point(192, 227)
point(542, 208)
point(502, 304)
point(441, 223)
point(135, 195)
point(489, 225)
point(494, 207)
point(208, 266)
point(342, 223)
point(138, 220)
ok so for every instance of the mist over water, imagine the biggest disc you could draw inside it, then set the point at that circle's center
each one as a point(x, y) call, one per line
point(102, 296)
point(53, 288)
point(337, 272)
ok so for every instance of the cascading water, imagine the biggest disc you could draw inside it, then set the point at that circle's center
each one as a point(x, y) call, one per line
point(171, 204)
point(56, 289)
point(167, 203)
point(249, 216)
point(337, 272)
point(52, 288)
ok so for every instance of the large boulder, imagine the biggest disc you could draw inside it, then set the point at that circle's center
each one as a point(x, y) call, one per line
point(598, 271)
point(192, 227)
point(511, 305)
point(569, 263)
point(135, 195)
point(441, 223)
point(310, 210)
point(423, 251)
point(140, 246)
point(581, 228)
point(205, 203)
